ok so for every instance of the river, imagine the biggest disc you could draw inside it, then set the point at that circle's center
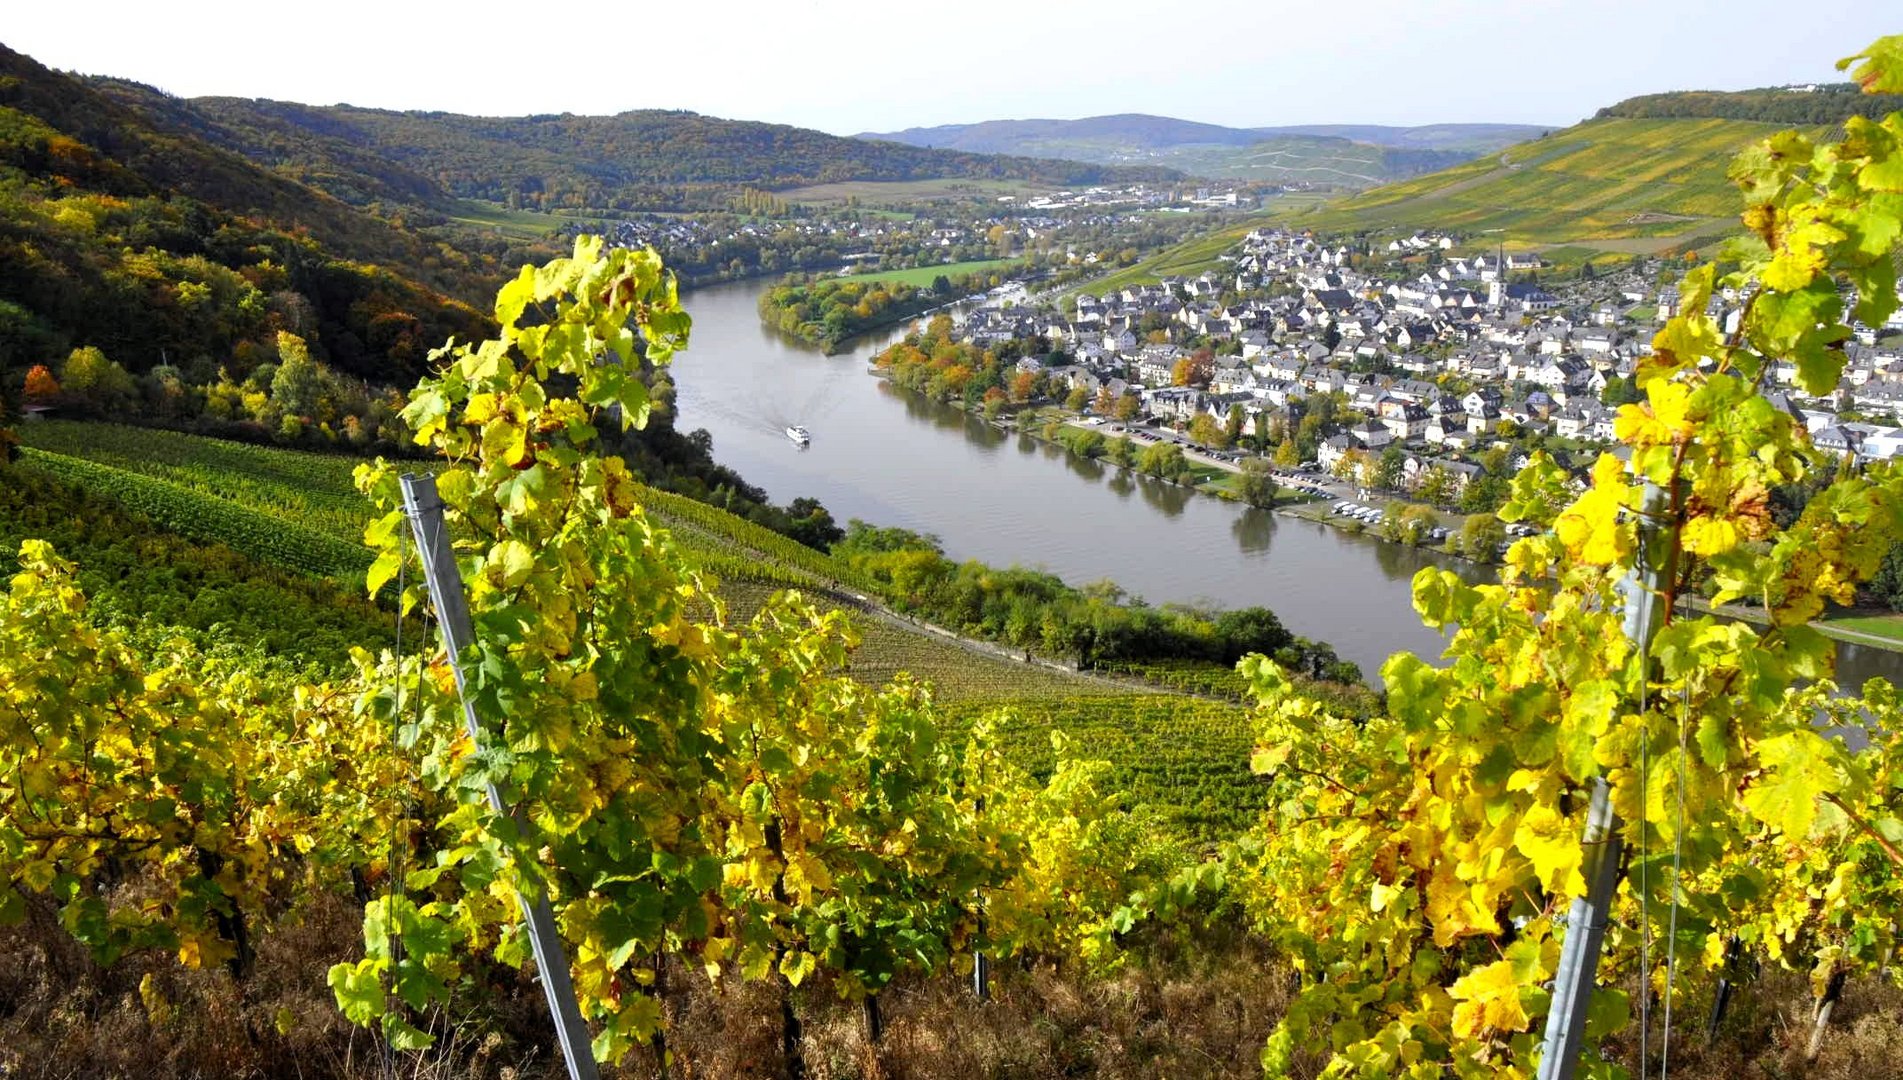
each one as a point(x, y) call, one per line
point(893, 458)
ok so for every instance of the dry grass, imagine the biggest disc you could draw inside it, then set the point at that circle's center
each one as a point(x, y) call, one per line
point(1189, 1004)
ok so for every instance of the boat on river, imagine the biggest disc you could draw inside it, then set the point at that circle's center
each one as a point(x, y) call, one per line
point(799, 435)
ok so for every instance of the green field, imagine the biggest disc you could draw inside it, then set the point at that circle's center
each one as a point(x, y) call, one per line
point(1626, 186)
point(900, 192)
point(921, 276)
point(1887, 627)
point(525, 224)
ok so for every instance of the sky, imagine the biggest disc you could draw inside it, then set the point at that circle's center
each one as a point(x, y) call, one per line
point(848, 67)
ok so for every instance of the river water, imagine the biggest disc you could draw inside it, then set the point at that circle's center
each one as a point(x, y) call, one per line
point(894, 458)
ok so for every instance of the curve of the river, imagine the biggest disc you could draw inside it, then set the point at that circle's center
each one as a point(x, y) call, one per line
point(894, 458)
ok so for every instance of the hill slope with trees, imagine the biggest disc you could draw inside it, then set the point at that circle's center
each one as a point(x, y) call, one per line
point(645, 159)
point(167, 252)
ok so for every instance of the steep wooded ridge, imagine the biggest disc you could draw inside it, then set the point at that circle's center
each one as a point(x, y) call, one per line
point(1347, 155)
point(158, 247)
point(645, 159)
point(1830, 103)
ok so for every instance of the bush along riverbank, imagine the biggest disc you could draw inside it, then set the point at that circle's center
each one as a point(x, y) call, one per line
point(1097, 626)
point(829, 311)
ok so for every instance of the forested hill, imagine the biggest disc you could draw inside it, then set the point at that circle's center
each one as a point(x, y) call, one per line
point(1343, 155)
point(649, 159)
point(159, 248)
point(1827, 104)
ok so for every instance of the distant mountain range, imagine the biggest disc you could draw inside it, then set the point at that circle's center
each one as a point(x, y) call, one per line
point(1331, 155)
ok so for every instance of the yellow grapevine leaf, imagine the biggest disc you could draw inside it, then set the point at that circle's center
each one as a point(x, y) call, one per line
point(1551, 844)
point(1489, 1000)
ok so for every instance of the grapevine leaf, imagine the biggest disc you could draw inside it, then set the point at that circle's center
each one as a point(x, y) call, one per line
point(1882, 69)
point(1551, 843)
point(382, 570)
point(358, 989)
point(796, 965)
point(1489, 1000)
point(403, 1035)
point(1797, 776)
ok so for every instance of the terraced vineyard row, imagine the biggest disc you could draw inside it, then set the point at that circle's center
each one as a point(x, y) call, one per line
point(208, 519)
point(956, 674)
point(1187, 759)
point(311, 491)
point(715, 529)
point(301, 512)
point(1612, 179)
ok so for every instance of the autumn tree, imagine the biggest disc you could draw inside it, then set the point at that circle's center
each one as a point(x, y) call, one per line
point(1023, 386)
point(1127, 406)
point(1195, 370)
point(1163, 459)
point(1204, 430)
point(40, 387)
point(1287, 455)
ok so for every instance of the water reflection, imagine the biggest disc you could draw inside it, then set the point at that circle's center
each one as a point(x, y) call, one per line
point(1122, 484)
point(1088, 468)
point(1254, 529)
point(1168, 498)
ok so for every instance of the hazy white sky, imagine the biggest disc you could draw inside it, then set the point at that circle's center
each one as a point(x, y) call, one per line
point(850, 67)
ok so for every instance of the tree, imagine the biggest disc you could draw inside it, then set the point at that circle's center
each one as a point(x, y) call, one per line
point(1620, 390)
point(40, 387)
point(1195, 370)
point(1287, 454)
point(1121, 451)
point(1256, 485)
point(1023, 386)
point(1204, 430)
point(1481, 537)
point(1162, 459)
point(1127, 406)
point(299, 381)
point(1232, 428)
point(1388, 469)
point(1409, 524)
point(1436, 485)
point(1351, 466)
point(1106, 401)
point(1075, 400)
point(96, 381)
point(812, 524)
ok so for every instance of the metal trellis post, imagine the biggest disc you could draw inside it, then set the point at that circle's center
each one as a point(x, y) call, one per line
point(424, 508)
point(1586, 922)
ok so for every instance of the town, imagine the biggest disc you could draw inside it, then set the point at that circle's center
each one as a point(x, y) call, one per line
point(1398, 367)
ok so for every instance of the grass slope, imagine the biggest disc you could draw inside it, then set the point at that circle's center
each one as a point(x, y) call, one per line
point(1622, 185)
point(922, 276)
